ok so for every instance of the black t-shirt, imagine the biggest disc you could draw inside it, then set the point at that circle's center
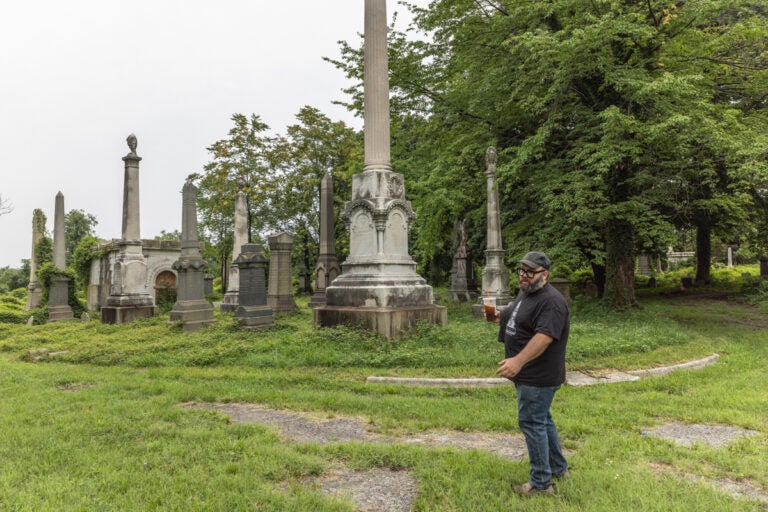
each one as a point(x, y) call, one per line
point(543, 311)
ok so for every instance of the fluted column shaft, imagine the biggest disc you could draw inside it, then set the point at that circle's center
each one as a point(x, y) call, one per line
point(327, 234)
point(131, 206)
point(376, 87)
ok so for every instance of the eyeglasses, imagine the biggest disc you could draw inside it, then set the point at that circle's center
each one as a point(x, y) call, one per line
point(529, 273)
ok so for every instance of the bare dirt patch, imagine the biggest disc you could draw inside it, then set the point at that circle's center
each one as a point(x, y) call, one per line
point(379, 490)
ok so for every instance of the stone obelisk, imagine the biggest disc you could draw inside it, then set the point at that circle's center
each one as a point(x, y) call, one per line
point(35, 289)
point(461, 269)
point(378, 286)
point(241, 238)
point(58, 295)
point(129, 298)
point(495, 273)
point(327, 267)
point(191, 310)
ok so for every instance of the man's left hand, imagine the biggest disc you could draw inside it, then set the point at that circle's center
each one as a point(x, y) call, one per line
point(509, 368)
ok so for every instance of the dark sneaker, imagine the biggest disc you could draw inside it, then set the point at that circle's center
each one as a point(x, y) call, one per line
point(527, 489)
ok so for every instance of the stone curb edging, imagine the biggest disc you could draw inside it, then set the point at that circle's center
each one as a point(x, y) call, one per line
point(575, 378)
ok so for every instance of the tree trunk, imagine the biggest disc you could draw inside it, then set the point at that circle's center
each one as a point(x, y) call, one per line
point(703, 253)
point(620, 265)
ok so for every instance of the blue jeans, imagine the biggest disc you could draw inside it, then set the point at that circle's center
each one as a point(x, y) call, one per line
point(540, 433)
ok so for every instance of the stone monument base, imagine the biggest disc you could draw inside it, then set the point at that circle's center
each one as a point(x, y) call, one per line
point(389, 322)
point(254, 317)
point(126, 314)
point(192, 315)
point(230, 303)
point(58, 300)
point(462, 295)
point(318, 299)
point(281, 303)
point(56, 313)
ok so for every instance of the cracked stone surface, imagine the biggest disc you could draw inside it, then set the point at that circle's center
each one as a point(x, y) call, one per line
point(301, 428)
point(715, 436)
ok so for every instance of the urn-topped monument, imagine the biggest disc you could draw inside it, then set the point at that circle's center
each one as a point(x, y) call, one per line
point(129, 298)
point(378, 286)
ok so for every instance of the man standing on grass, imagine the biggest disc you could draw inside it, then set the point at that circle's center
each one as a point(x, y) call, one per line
point(534, 329)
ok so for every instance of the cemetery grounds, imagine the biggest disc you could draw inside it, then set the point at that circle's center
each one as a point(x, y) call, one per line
point(145, 417)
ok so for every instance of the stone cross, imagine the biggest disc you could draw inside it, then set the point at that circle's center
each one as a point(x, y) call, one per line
point(280, 292)
point(241, 238)
point(191, 310)
point(35, 289)
point(495, 273)
point(58, 295)
point(327, 266)
point(253, 311)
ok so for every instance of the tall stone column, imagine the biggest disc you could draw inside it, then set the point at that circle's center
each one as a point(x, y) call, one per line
point(58, 295)
point(327, 268)
point(253, 312)
point(241, 238)
point(35, 289)
point(280, 292)
point(129, 298)
point(495, 273)
point(191, 310)
point(378, 286)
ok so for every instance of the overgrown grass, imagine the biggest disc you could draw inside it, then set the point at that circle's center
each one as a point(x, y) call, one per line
point(100, 428)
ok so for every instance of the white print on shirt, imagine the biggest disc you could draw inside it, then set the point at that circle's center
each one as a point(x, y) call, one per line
point(511, 329)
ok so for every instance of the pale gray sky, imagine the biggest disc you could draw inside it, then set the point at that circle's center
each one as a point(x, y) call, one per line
point(77, 77)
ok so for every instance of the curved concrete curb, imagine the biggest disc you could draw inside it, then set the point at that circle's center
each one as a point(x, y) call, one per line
point(571, 379)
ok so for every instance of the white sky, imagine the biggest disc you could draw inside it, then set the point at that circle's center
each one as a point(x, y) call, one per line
point(77, 77)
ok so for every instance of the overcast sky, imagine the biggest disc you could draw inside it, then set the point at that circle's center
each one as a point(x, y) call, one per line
point(77, 77)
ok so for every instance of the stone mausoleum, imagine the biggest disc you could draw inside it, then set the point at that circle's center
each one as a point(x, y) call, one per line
point(161, 278)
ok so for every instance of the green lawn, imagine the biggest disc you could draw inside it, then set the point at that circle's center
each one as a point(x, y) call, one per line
point(101, 428)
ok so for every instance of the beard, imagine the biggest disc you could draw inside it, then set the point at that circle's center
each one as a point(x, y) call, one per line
point(533, 287)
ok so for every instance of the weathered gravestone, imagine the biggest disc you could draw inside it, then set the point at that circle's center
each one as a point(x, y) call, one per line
point(280, 293)
point(327, 266)
point(253, 311)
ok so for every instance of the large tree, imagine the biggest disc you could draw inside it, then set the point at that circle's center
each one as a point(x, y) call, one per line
point(596, 106)
point(77, 225)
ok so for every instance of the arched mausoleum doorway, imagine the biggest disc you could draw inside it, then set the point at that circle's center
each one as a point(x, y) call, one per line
point(165, 287)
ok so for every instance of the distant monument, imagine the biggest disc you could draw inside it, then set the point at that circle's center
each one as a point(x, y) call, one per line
point(495, 273)
point(35, 289)
point(460, 272)
point(191, 309)
point(241, 237)
point(378, 286)
point(327, 266)
point(280, 291)
point(253, 312)
point(58, 295)
point(129, 299)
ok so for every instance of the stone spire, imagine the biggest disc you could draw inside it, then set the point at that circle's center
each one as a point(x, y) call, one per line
point(131, 207)
point(191, 310)
point(327, 266)
point(35, 289)
point(58, 295)
point(59, 241)
point(495, 273)
point(240, 238)
point(379, 272)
